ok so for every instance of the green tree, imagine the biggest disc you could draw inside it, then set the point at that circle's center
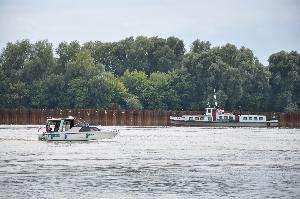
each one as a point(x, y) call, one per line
point(137, 84)
point(200, 46)
point(180, 82)
point(77, 93)
point(40, 61)
point(285, 81)
point(146, 72)
point(142, 54)
point(12, 61)
point(82, 67)
point(49, 93)
point(2, 87)
point(133, 103)
point(235, 73)
point(66, 52)
point(106, 89)
point(162, 95)
point(14, 57)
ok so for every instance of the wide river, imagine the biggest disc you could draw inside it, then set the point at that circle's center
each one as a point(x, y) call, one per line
point(158, 162)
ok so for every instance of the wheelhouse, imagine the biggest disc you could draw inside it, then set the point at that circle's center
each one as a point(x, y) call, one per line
point(59, 124)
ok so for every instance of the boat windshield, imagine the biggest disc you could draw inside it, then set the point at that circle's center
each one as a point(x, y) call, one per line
point(53, 125)
point(88, 128)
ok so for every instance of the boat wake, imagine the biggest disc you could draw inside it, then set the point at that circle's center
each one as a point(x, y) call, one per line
point(17, 139)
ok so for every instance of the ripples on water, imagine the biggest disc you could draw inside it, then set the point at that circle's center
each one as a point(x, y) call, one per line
point(153, 163)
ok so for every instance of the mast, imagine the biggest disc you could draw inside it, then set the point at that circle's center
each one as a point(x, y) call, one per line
point(215, 98)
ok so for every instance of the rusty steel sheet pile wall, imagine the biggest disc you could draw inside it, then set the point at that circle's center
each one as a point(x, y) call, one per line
point(289, 120)
point(92, 116)
point(119, 117)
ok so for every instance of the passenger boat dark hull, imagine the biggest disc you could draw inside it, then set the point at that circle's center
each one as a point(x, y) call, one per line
point(224, 124)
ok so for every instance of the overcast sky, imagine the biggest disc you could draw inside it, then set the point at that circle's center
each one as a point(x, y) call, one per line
point(265, 26)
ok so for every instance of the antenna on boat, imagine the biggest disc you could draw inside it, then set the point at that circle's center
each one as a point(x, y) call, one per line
point(215, 97)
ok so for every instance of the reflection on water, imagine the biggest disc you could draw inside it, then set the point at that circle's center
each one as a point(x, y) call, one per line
point(161, 162)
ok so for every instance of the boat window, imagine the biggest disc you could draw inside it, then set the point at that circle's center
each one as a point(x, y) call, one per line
point(244, 118)
point(70, 122)
point(255, 118)
point(220, 117)
point(230, 118)
point(88, 128)
point(52, 126)
point(226, 117)
point(196, 118)
point(260, 118)
point(84, 129)
point(190, 118)
point(250, 118)
point(209, 110)
point(201, 118)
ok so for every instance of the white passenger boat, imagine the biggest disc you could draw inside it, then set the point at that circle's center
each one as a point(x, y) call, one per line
point(64, 129)
point(214, 117)
point(217, 117)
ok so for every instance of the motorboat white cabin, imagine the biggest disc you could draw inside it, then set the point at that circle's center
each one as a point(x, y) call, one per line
point(64, 129)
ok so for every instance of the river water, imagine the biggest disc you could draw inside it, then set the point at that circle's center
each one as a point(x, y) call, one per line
point(161, 162)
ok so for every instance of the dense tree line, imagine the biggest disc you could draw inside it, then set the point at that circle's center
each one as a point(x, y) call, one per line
point(146, 73)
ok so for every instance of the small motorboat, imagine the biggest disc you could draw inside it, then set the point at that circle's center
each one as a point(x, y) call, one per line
point(64, 129)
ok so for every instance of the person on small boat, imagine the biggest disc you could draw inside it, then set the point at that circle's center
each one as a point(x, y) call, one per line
point(67, 125)
point(56, 127)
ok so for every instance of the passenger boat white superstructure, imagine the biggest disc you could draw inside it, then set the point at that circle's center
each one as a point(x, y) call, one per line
point(216, 117)
point(64, 129)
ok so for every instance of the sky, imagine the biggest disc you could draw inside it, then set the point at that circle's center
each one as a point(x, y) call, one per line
point(264, 26)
